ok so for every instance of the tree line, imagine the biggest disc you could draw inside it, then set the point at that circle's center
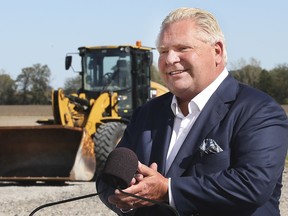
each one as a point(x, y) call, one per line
point(32, 85)
point(274, 82)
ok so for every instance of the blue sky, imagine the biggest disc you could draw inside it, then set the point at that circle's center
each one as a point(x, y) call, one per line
point(34, 31)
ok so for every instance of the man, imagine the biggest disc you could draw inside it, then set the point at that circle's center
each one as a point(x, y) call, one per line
point(212, 146)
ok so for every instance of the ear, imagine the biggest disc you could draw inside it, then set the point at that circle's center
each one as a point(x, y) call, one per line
point(219, 51)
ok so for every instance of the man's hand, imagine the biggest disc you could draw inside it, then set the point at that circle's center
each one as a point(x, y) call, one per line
point(147, 183)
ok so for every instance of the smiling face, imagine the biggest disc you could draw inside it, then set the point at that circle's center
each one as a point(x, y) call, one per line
point(187, 65)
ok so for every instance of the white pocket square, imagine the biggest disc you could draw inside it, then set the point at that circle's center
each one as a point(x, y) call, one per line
point(209, 146)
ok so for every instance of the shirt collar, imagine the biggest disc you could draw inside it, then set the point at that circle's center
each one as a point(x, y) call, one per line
point(201, 99)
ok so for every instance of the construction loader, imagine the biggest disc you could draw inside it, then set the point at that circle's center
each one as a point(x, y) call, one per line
point(88, 124)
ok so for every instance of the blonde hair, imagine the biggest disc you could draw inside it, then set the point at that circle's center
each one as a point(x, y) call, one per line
point(209, 30)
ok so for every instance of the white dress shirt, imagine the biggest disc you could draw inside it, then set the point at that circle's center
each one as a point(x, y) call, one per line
point(183, 124)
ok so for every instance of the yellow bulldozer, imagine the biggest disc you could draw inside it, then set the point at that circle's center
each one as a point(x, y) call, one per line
point(88, 124)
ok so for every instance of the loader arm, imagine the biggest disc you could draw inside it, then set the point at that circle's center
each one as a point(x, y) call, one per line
point(104, 108)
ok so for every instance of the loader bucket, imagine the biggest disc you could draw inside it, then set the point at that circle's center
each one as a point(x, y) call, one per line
point(46, 153)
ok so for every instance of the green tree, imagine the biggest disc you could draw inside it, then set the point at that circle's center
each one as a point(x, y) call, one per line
point(72, 84)
point(33, 85)
point(41, 90)
point(280, 83)
point(249, 75)
point(265, 82)
point(23, 82)
point(7, 90)
point(273, 82)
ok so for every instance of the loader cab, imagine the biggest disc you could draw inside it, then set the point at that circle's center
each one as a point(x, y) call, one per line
point(121, 69)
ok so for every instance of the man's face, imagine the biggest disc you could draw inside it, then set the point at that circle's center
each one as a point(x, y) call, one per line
point(187, 65)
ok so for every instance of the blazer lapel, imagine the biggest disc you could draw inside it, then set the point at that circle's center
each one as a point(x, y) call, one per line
point(161, 142)
point(215, 110)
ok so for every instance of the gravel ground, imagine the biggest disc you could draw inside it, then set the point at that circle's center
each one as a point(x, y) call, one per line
point(21, 200)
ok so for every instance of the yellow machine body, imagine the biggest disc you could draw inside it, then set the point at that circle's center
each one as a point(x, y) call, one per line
point(87, 124)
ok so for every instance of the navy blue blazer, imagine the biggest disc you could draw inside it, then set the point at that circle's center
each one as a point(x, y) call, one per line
point(244, 179)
